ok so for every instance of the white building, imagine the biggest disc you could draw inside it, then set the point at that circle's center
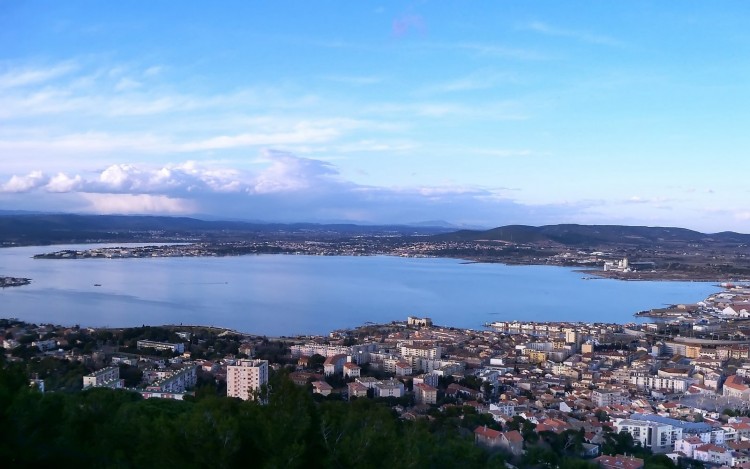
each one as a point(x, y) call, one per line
point(44, 345)
point(658, 437)
point(334, 365)
point(713, 454)
point(608, 397)
point(390, 388)
point(105, 378)
point(419, 322)
point(175, 382)
point(245, 378)
point(163, 346)
point(351, 370)
point(425, 394)
point(421, 351)
point(361, 353)
point(672, 384)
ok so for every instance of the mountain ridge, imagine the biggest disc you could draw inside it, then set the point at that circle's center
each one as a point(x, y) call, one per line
point(589, 235)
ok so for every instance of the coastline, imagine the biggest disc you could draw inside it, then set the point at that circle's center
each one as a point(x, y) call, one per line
point(144, 250)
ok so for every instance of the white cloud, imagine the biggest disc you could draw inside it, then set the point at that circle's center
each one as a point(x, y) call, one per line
point(64, 183)
point(126, 84)
point(20, 77)
point(31, 181)
point(153, 71)
point(290, 173)
point(286, 188)
point(304, 132)
point(137, 204)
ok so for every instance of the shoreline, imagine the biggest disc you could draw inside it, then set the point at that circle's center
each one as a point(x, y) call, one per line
point(151, 251)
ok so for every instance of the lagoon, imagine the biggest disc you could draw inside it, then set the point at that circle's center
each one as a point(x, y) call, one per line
point(287, 295)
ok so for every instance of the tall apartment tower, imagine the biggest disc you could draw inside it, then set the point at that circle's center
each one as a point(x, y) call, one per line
point(246, 377)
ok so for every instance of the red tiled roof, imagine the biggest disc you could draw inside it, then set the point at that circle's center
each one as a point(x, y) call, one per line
point(514, 436)
point(487, 433)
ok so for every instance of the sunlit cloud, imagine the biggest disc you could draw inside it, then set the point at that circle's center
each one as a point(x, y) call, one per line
point(132, 204)
point(31, 181)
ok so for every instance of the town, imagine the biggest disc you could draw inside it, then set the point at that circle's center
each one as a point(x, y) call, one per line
point(680, 387)
point(13, 281)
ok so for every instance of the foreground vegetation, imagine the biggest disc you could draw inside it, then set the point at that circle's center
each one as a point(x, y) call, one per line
point(114, 428)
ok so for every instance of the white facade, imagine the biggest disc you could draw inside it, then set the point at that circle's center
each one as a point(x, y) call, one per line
point(168, 346)
point(608, 398)
point(246, 377)
point(644, 381)
point(390, 388)
point(360, 352)
point(659, 438)
point(105, 378)
point(175, 382)
point(421, 351)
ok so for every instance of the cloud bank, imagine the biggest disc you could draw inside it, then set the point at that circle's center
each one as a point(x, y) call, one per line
point(286, 188)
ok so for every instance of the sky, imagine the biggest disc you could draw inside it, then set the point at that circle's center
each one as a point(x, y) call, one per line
point(480, 114)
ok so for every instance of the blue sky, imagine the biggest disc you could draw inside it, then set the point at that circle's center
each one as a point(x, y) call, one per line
point(476, 113)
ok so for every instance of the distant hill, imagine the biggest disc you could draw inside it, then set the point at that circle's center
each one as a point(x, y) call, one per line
point(594, 235)
point(25, 229)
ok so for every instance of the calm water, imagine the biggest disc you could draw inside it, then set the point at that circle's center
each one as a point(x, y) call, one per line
point(284, 295)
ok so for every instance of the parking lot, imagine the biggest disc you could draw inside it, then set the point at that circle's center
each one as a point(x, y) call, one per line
point(714, 403)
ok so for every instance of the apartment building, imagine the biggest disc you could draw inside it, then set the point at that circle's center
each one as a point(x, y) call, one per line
point(105, 378)
point(245, 378)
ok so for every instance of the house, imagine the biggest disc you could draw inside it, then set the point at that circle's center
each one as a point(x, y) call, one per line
point(301, 378)
point(357, 390)
point(512, 441)
point(713, 454)
point(589, 450)
point(456, 390)
point(618, 462)
point(735, 386)
point(351, 370)
point(334, 364)
point(687, 445)
point(321, 387)
point(247, 349)
point(403, 368)
point(487, 437)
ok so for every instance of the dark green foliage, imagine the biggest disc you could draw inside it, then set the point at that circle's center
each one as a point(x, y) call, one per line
point(131, 374)
point(116, 428)
point(58, 375)
point(316, 361)
point(659, 461)
point(622, 443)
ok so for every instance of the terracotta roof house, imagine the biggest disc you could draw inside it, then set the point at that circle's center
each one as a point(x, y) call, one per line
point(618, 462)
point(487, 437)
